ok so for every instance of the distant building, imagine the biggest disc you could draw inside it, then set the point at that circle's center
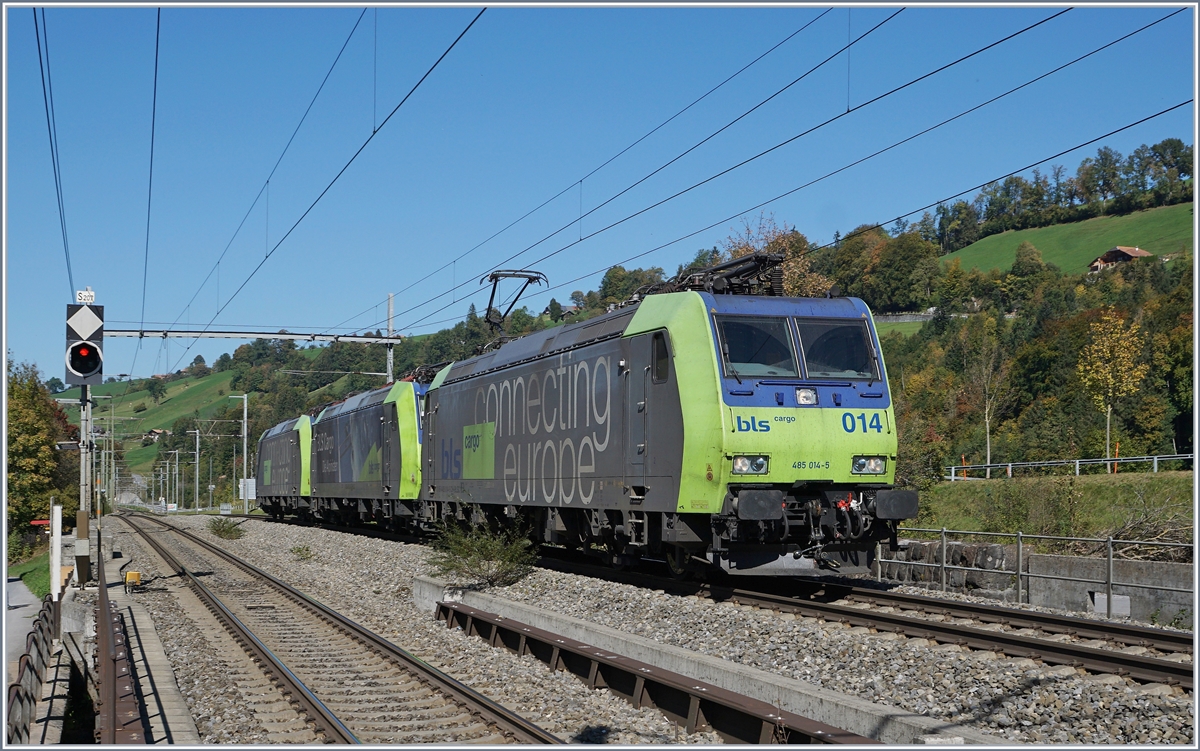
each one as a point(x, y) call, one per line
point(156, 433)
point(1119, 254)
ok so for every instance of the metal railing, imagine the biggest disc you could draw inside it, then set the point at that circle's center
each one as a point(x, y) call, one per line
point(26, 692)
point(1024, 577)
point(960, 472)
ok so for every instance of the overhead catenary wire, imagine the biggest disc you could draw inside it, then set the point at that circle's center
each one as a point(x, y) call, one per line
point(335, 179)
point(52, 134)
point(610, 160)
point(150, 186)
point(744, 162)
point(881, 151)
point(665, 165)
point(278, 161)
point(871, 227)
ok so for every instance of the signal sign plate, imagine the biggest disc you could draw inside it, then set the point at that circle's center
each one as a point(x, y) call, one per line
point(84, 320)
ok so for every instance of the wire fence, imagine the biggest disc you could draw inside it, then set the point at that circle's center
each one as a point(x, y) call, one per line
point(982, 471)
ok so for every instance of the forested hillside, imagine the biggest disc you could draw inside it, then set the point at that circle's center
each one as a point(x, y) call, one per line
point(1021, 364)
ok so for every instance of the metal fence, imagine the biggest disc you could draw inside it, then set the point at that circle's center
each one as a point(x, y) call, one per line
point(960, 472)
point(1024, 577)
point(26, 692)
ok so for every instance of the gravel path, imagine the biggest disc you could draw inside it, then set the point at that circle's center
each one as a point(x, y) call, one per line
point(1015, 698)
point(368, 580)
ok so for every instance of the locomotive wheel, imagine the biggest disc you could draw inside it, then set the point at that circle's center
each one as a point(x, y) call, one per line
point(615, 559)
point(678, 560)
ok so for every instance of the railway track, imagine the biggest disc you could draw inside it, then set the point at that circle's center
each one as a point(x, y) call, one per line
point(1096, 646)
point(1146, 654)
point(351, 685)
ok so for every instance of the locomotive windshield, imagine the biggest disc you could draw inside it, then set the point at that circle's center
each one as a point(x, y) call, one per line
point(837, 349)
point(753, 346)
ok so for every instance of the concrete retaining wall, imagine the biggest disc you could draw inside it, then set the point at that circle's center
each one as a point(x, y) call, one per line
point(888, 724)
point(1143, 604)
point(991, 574)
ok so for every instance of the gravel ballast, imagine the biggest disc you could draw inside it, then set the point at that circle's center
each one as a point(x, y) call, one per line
point(1016, 699)
point(367, 580)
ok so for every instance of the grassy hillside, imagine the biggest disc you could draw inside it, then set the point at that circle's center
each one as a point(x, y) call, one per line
point(906, 328)
point(1072, 247)
point(185, 397)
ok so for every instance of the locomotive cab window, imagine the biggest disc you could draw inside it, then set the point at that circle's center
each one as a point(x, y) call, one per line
point(662, 358)
point(837, 349)
point(754, 346)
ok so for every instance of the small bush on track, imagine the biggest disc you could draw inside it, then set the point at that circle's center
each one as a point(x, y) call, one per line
point(478, 555)
point(226, 529)
point(302, 552)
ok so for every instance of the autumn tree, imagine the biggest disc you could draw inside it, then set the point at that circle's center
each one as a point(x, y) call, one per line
point(36, 471)
point(1108, 365)
point(985, 373)
point(799, 278)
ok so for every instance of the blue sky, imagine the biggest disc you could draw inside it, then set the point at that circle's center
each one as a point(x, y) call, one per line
point(527, 103)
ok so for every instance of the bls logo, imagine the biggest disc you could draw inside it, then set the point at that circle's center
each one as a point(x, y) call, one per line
point(749, 424)
point(451, 461)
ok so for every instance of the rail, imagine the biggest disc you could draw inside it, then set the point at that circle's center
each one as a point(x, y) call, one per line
point(960, 472)
point(25, 693)
point(692, 704)
point(1024, 577)
point(118, 719)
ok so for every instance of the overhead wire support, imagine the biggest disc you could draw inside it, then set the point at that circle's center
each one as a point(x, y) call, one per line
point(52, 134)
point(336, 177)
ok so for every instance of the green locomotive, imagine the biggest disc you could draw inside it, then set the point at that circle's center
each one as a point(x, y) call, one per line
point(713, 425)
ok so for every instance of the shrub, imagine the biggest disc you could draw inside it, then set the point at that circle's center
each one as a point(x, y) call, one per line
point(302, 553)
point(226, 529)
point(139, 407)
point(478, 555)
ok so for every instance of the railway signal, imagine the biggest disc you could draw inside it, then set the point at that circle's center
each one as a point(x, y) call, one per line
point(85, 341)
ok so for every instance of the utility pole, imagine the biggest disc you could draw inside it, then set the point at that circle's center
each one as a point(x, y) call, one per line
point(389, 346)
point(196, 474)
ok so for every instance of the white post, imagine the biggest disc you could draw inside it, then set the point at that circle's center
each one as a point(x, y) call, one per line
point(389, 346)
point(56, 551)
point(245, 453)
point(196, 474)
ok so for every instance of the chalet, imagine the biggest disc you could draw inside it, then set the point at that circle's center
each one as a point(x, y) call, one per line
point(155, 433)
point(1119, 254)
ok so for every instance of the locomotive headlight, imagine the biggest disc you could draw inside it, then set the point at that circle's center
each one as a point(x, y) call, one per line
point(806, 397)
point(749, 465)
point(868, 465)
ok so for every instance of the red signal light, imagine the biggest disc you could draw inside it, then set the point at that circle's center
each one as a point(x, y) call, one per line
point(84, 359)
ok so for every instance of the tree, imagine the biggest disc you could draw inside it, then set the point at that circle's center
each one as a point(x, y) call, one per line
point(799, 277)
point(1171, 153)
point(36, 471)
point(1108, 366)
point(157, 388)
point(55, 386)
point(555, 310)
point(198, 368)
point(1028, 260)
point(985, 374)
